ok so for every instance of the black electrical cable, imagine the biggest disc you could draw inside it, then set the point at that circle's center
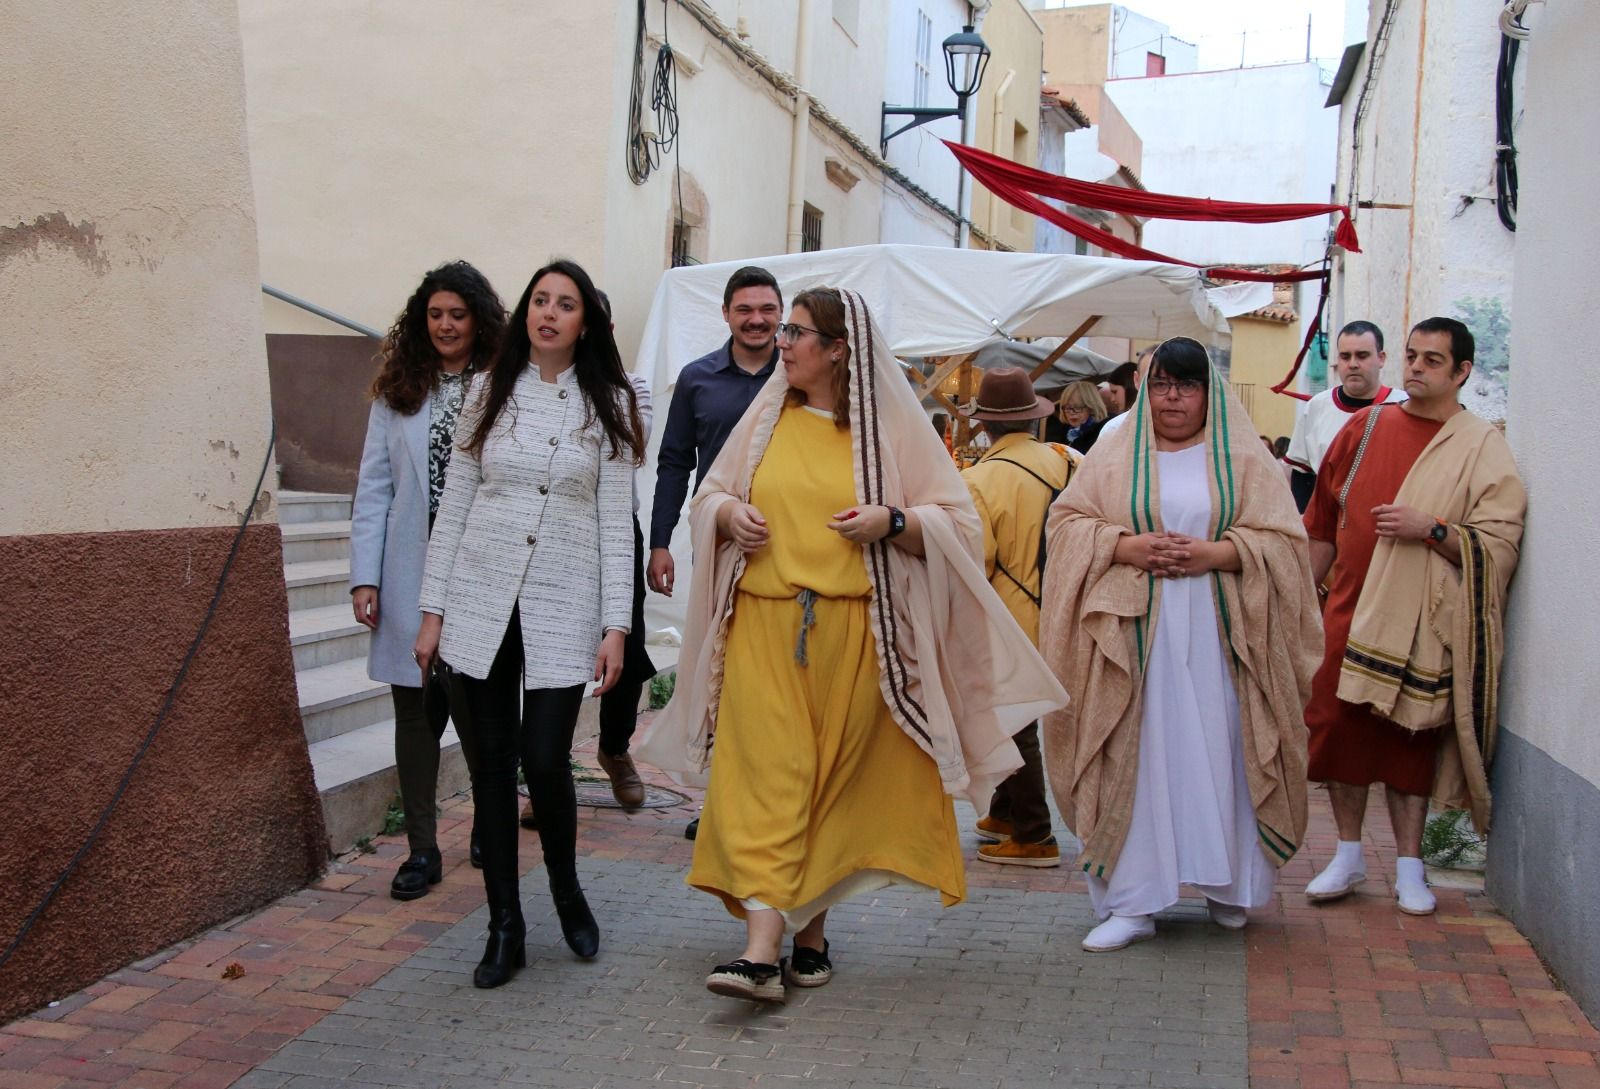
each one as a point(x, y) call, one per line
point(161, 716)
point(1505, 149)
point(644, 149)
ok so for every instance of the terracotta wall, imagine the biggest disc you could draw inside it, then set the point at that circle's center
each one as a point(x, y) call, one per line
point(320, 403)
point(222, 814)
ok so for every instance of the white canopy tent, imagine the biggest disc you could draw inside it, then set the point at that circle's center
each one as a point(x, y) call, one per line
point(929, 301)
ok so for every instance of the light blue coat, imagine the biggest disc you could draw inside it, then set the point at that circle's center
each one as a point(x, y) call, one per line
point(389, 535)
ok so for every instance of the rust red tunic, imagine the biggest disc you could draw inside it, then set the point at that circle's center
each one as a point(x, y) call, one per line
point(1348, 743)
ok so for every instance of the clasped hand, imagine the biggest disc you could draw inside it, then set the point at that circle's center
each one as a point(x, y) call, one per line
point(745, 526)
point(1168, 555)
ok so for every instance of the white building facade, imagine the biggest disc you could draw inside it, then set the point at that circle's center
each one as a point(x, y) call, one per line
point(1546, 776)
point(1416, 161)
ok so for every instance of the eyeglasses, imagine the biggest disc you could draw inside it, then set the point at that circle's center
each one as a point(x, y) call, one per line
point(789, 332)
point(1183, 387)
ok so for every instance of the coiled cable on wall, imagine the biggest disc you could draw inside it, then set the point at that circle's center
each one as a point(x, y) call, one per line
point(1512, 35)
point(161, 716)
point(645, 148)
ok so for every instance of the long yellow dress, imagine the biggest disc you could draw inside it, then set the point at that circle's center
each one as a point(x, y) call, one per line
point(816, 793)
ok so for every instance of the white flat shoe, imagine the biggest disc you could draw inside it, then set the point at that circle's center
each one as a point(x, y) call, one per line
point(1227, 916)
point(1119, 932)
point(1415, 899)
point(1335, 883)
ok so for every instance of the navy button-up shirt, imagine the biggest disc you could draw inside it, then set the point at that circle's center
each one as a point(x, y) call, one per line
point(712, 393)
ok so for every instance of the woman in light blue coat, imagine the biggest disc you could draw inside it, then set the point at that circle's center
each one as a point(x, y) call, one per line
point(450, 329)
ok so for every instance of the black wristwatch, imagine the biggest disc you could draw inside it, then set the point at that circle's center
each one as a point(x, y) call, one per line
point(897, 521)
point(1438, 531)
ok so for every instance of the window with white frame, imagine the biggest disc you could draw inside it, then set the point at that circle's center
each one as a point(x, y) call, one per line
point(924, 59)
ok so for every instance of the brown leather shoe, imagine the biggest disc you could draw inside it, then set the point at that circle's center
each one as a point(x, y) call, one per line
point(1012, 853)
point(993, 829)
point(626, 786)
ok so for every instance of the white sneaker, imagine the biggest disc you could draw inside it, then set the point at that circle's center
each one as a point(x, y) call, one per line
point(1119, 932)
point(1335, 882)
point(1415, 898)
point(1227, 915)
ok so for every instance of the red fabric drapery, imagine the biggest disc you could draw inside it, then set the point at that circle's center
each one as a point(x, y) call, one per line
point(1023, 186)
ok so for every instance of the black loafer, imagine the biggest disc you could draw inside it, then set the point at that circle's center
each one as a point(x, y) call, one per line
point(475, 852)
point(422, 869)
point(692, 829)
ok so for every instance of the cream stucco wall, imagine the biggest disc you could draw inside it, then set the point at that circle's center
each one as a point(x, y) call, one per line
point(1077, 44)
point(379, 151)
point(1551, 687)
point(386, 139)
point(135, 392)
point(1017, 45)
point(1261, 355)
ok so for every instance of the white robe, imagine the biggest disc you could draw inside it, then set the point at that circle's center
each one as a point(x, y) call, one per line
point(1193, 821)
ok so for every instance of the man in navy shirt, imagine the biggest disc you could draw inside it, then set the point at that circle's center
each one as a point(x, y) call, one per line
point(711, 394)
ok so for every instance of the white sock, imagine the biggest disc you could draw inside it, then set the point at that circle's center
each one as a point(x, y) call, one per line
point(1409, 871)
point(1348, 855)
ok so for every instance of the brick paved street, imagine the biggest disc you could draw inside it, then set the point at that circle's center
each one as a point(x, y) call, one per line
point(341, 985)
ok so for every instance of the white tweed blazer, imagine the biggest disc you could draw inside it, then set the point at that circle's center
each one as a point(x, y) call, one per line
point(543, 520)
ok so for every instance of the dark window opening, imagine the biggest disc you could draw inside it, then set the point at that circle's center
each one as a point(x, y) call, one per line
point(810, 230)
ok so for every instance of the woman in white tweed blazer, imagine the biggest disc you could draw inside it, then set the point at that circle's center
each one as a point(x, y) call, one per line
point(528, 588)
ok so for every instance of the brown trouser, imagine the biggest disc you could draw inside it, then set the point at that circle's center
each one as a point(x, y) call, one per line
point(1021, 798)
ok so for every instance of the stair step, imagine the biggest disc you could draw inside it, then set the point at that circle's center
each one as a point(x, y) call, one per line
point(325, 635)
point(336, 699)
point(356, 778)
point(326, 540)
point(298, 508)
point(314, 583)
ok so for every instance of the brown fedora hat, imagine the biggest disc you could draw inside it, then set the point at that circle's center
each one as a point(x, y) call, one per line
point(1006, 393)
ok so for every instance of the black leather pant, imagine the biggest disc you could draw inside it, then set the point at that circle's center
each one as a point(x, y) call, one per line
point(539, 736)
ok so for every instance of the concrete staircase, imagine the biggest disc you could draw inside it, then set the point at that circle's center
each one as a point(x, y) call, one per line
point(349, 720)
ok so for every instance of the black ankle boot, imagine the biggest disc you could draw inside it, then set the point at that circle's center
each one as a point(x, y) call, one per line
point(505, 953)
point(577, 921)
point(475, 850)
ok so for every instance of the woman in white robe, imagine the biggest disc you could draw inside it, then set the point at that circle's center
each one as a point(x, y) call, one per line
point(1180, 615)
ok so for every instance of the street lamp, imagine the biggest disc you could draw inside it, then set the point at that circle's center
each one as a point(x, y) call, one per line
point(958, 48)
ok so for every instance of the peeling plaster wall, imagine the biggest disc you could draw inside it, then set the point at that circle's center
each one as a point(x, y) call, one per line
point(136, 418)
point(136, 385)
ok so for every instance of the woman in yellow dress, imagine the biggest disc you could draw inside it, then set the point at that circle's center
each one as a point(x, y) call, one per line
point(836, 561)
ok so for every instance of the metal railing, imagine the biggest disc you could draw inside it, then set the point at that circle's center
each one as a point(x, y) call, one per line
point(321, 312)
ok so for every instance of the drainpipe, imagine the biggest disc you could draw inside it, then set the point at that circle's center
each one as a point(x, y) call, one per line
point(800, 135)
point(994, 139)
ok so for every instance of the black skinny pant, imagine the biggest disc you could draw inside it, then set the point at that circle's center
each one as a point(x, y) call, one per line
point(540, 738)
point(619, 708)
point(420, 715)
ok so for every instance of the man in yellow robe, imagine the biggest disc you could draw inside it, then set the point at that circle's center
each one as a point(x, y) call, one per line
point(1012, 486)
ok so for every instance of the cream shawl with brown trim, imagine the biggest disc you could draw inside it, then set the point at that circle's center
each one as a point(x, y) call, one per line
point(958, 674)
point(1426, 639)
point(1099, 618)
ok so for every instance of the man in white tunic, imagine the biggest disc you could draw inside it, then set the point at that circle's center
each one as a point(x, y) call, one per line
point(1358, 363)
